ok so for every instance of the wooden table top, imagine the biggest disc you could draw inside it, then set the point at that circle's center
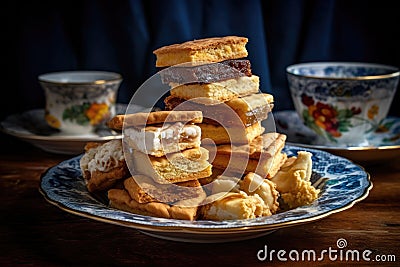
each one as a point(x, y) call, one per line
point(36, 233)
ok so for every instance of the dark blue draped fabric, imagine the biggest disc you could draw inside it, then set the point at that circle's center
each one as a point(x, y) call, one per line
point(47, 36)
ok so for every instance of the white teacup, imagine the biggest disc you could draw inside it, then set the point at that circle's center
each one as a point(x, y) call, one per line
point(77, 102)
point(343, 102)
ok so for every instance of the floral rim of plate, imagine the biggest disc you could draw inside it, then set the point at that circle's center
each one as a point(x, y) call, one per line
point(342, 184)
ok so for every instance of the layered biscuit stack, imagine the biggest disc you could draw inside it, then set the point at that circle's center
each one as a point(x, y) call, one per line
point(211, 75)
point(217, 80)
point(167, 161)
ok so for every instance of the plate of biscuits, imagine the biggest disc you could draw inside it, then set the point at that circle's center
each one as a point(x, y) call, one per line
point(339, 183)
point(209, 167)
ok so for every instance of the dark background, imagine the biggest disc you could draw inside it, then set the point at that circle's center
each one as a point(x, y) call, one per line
point(47, 36)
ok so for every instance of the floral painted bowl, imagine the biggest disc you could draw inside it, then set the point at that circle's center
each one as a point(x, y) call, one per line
point(343, 102)
point(78, 102)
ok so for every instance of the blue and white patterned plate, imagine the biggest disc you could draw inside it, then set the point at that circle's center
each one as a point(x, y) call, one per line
point(383, 144)
point(342, 184)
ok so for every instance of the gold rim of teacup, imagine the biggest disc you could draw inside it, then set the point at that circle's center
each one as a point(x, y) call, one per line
point(117, 78)
point(393, 71)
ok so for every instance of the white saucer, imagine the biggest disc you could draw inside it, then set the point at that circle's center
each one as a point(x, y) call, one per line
point(31, 127)
point(382, 146)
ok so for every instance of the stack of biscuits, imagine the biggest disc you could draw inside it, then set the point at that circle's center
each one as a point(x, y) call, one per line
point(165, 156)
point(213, 76)
point(207, 155)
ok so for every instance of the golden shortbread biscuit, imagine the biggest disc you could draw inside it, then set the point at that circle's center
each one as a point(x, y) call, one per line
point(214, 93)
point(245, 110)
point(144, 190)
point(141, 119)
point(121, 200)
point(228, 135)
point(262, 156)
point(214, 49)
point(99, 181)
point(189, 164)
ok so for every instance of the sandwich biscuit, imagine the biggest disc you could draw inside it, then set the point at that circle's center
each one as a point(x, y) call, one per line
point(158, 140)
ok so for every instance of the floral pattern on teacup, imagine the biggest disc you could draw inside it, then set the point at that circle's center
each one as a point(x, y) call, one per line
point(87, 113)
point(330, 121)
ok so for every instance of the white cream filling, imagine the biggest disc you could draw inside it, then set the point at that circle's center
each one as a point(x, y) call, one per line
point(165, 139)
point(104, 157)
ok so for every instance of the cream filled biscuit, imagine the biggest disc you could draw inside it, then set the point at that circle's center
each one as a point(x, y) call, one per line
point(160, 140)
point(103, 164)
